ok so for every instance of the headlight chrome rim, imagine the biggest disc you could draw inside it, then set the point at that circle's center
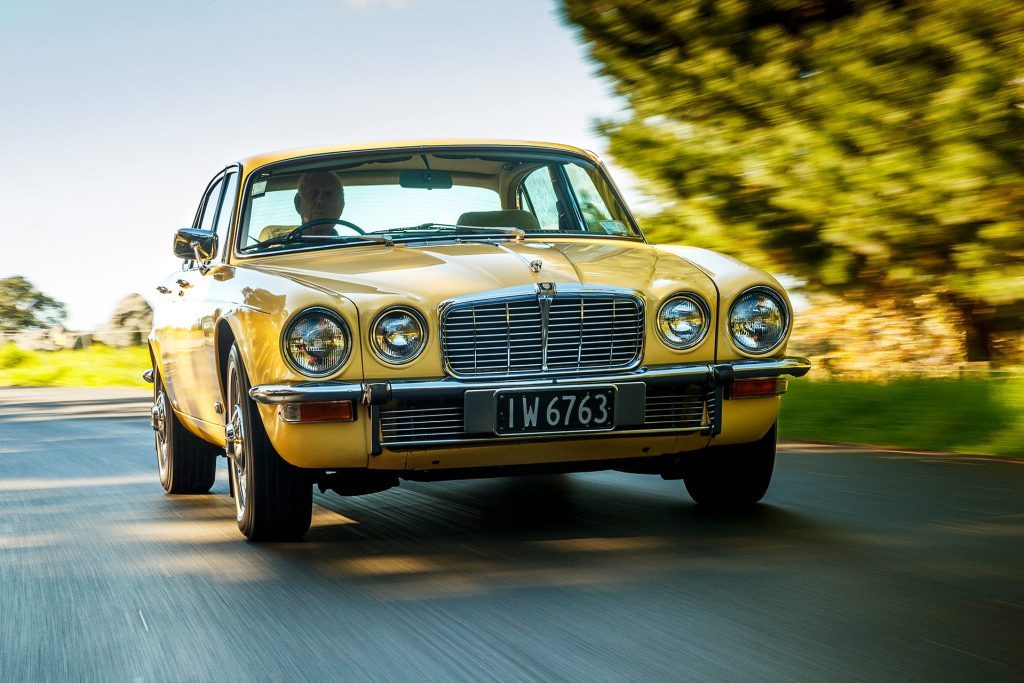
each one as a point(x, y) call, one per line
point(779, 300)
point(705, 310)
point(424, 335)
point(298, 318)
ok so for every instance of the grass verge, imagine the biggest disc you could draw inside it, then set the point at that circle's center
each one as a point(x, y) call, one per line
point(97, 366)
point(959, 416)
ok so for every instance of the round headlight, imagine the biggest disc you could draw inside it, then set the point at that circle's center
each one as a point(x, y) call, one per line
point(398, 335)
point(317, 342)
point(683, 321)
point(758, 320)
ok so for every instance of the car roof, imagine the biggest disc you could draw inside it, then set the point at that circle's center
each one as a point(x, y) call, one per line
point(258, 160)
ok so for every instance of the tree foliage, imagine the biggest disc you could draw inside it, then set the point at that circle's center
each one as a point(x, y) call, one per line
point(22, 306)
point(869, 147)
point(129, 324)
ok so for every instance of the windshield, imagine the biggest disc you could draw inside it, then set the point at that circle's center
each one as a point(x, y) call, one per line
point(478, 194)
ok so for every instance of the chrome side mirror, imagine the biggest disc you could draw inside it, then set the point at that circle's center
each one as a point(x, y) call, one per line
point(195, 244)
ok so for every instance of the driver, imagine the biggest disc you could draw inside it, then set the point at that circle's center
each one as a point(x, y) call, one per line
point(320, 195)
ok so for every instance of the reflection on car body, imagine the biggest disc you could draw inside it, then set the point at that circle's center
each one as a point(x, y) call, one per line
point(434, 311)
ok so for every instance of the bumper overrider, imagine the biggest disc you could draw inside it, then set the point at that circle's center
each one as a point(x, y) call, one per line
point(443, 412)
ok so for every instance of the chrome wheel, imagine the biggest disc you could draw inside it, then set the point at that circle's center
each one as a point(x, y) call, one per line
point(158, 419)
point(234, 441)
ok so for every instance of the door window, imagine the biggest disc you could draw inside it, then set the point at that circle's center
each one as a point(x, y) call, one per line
point(537, 195)
point(227, 208)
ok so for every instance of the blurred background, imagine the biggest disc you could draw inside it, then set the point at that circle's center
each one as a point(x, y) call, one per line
point(870, 154)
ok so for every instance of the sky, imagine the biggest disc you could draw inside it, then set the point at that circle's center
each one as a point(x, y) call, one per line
point(114, 115)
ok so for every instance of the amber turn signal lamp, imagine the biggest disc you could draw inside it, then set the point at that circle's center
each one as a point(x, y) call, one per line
point(327, 411)
point(751, 388)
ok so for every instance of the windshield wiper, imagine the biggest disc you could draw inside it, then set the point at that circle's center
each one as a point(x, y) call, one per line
point(515, 233)
point(347, 239)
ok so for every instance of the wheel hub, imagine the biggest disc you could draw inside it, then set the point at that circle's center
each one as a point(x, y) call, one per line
point(158, 413)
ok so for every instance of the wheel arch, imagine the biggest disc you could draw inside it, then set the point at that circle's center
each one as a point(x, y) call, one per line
point(224, 339)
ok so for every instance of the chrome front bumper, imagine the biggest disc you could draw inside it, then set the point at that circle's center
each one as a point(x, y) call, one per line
point(716, 376)
point(370, 393)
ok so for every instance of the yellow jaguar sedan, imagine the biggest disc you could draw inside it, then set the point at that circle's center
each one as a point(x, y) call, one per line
point(347, 317)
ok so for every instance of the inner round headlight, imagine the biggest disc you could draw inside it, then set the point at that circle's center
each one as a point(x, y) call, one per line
point(317, 342)
point(683, 321)
point(758, 320)
point(398, 335)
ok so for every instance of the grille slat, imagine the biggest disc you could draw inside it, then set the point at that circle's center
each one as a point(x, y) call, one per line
point(585, 331)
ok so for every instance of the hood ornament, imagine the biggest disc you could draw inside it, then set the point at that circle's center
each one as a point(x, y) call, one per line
point(536, 264)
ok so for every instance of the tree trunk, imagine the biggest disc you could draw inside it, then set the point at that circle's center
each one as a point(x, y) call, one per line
point(977, 331)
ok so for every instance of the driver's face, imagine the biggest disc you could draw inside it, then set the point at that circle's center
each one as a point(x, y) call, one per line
point(319, 196)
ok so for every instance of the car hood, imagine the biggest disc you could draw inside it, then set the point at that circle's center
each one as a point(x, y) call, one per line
point(431, 273)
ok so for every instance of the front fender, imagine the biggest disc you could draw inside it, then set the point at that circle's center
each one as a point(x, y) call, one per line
point(257, 334)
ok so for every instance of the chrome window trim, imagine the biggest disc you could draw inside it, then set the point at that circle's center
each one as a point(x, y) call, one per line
point(701, 303)
point(337, 317)
point(528, 293)
point(423, 324)
point(786, 314)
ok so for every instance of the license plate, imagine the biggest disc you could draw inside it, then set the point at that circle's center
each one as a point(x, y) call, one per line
point(531, 411)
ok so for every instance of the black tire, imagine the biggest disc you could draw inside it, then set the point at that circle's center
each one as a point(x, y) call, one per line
point(273, 499)
point(732, 476)
point(185, 463)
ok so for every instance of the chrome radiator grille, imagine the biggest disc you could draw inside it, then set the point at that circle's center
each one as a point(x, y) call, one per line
point(679, 410)
point(687, 408)
point(431, 422)
point(574, 332)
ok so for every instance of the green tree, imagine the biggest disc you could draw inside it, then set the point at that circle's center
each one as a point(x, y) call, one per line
point(22, 306)
point(868, 147)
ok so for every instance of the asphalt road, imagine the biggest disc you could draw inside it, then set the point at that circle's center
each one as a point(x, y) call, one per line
point(859, 565)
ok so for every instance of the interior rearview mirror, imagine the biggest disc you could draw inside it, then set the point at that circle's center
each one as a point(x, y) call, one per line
point(195, 244)
point(425, 180)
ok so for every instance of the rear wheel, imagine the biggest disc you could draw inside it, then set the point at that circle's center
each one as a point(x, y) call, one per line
point(186, 463)
point(273, 499)
point(732, 476)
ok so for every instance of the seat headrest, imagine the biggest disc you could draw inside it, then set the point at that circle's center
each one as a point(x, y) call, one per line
point(272, 231)
point(513, 218)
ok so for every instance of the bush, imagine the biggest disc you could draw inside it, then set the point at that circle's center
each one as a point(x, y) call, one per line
point(11, 356)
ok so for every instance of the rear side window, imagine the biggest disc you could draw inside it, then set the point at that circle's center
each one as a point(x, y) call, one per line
point(210, 204)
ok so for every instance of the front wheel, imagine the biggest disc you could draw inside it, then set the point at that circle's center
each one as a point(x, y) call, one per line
point(273, 499)
point(732, 476)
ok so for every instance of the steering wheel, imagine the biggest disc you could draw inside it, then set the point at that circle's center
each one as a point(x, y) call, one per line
point(323, 221)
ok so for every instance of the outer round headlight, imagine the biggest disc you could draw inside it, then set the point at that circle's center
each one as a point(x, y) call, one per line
point(317, 342)
point(398, 335)
point(758, 320)
point(683, 321)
